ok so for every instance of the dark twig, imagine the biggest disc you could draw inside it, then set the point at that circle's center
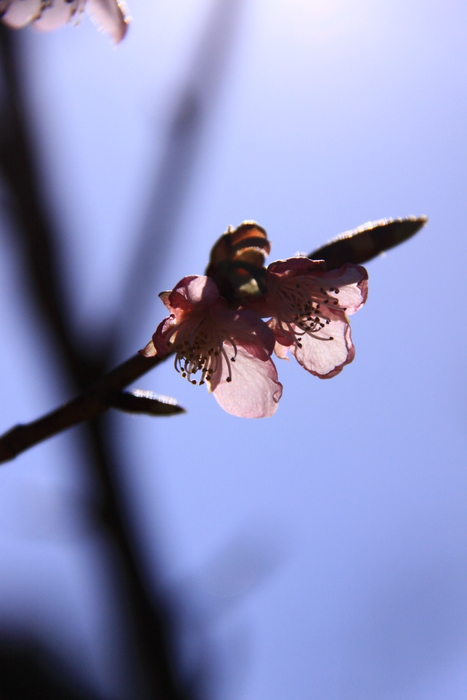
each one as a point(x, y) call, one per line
point(32, 221)
point(90, 404)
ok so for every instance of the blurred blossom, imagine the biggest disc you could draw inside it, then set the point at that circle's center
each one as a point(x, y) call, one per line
point(45, 15)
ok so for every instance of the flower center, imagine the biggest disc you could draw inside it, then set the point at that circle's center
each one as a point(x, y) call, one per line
point(302, 308)
point(201, 350)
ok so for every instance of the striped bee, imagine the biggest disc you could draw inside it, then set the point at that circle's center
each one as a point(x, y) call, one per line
point(237, 261)
point(237, 258)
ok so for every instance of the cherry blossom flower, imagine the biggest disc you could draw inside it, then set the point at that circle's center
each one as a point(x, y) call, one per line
point(228, 349)
point(217, 332)
point(309, 307)
point(46, 15)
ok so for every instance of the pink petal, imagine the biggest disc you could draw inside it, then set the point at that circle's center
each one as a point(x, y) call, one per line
point(61, 12)
point(351, 280)
point(262, 331)
point(109, 16)
point(160, 337)
point(352, 283)
point(281, 351)
point(196, 289)
point(282, 343)
point(322, 357)
point(176, 302)
point(21, 12)
point(254, 391)
point(247, 329)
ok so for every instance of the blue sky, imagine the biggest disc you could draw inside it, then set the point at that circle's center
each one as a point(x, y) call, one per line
point(323, 549)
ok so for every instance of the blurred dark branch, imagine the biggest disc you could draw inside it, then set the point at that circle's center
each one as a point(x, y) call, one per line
point(150, 617)
point(34, 228)
point(175, 173)
point(150, 638)
point(29, 671)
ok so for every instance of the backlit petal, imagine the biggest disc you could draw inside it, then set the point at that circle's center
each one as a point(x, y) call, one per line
point(196, 289)
point(254, 391)
point(21, 12)
point(352, 283)
point(58, 14)
point(109, 15)
point(327, 352)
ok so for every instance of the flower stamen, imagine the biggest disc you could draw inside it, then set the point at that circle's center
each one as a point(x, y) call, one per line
point(300, 312)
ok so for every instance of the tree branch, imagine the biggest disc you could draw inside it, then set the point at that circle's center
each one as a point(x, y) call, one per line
point(89, 404)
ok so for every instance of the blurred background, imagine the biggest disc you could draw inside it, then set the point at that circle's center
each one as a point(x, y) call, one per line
point(320, 553)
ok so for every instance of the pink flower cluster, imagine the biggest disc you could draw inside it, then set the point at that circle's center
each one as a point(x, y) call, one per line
point(223, 341)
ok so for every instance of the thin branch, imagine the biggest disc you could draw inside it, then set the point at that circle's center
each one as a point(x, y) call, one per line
point(88, 405)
